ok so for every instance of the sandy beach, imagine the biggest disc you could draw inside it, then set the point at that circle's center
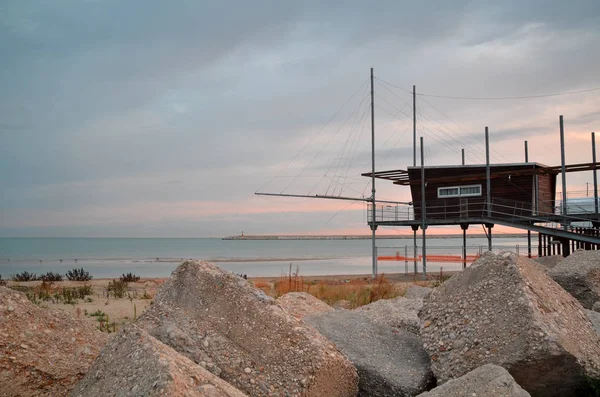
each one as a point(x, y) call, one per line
point(139, 295)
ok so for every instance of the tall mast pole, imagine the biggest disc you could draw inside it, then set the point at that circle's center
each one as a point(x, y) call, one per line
point(414, 126)
point(595, 173)
point(373, 224)
point(423, 213)
point(563, 171)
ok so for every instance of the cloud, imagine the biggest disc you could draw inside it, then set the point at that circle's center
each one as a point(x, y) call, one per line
point(109, 105)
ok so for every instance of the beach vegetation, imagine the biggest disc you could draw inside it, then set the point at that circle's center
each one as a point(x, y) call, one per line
point(358, 292)
point(2, 282)
point(130, 278)
point(116, 288)
point(50, 277)
point(146, 295)
point(78, 275)
point(24, 277)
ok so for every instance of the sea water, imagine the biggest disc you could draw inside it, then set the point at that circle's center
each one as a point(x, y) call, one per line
point(158, 257)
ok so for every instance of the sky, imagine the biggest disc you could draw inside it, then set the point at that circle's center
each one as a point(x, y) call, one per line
point(162, 119)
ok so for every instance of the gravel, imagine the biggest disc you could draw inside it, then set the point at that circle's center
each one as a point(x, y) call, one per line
point(390, 362)
point(235, 331)
point(486, 381)
point(579, 274)
point(136, 364)
point(43, 352)
point(505, 310)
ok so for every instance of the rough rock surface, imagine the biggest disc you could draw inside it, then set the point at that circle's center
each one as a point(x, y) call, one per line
point(43, 352)
point(486, 381)
point(399, 313)
point(342, 305)
point(234, 330)
point(596, 307)
point(505, 310)
point(594, 319)
point(390, 362)
point(579, 274)
point(417, 292)
point(549, 262)
point(134, 363)
point(300, 304)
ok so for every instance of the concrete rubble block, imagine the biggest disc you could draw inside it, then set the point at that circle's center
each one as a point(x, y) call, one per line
point(579, 274)
point(417, 292)
point(134, 363)
point(486, 381)
point(43, 352)
point(505, 310)
point(342, 305)
point(234, 330)
point(549, 262)
point(594, 319)
point(399, 313)
point(300, 304)
point(390, 362)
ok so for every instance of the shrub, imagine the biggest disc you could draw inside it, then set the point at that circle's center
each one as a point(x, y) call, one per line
point(25, 276)
point(51, 277)
point(78, 275)
point(129, 278)
point(2, 282)
point(117, 288)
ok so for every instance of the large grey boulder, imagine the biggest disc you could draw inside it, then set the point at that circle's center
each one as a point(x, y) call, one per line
point(301, 304)
point(135, 364)
point(486, 381)
point(399, 313)
point(43, 352)
point(505, 310)
point(549, 262)
point(594, 319)
point(417, 292)
point(579, 274)
point(390, 362)
point(225, 324)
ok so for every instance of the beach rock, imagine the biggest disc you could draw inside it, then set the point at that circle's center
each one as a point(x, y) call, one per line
point(134, 364)
point(417, 292)
point(486, 381)
point(342, 305)
point(225, 324)
point(400, 313)
point(43, 352)
point(579, 274)
point(390, 362)
point(505, 310)
point(300, 304)
point(549, 262)
point(594, 319)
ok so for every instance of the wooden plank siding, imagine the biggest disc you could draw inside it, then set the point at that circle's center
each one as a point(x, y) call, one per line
point(513, 195)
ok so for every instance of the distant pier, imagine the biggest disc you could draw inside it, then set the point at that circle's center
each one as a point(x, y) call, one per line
point(362, 237)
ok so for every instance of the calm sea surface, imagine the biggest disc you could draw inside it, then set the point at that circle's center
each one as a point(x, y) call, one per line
point(158, 257)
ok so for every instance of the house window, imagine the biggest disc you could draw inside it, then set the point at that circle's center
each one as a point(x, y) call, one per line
point(459, 191)
point(448, 192)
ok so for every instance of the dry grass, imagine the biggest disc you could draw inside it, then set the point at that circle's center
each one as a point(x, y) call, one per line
point(358, 292)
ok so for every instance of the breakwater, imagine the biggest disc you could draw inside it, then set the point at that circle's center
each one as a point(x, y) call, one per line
point(365, 237)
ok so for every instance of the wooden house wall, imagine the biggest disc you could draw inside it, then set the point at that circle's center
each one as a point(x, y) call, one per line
point(547, 191)
point(504, 192)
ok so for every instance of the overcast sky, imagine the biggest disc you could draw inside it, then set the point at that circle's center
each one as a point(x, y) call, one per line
point(156, 118)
